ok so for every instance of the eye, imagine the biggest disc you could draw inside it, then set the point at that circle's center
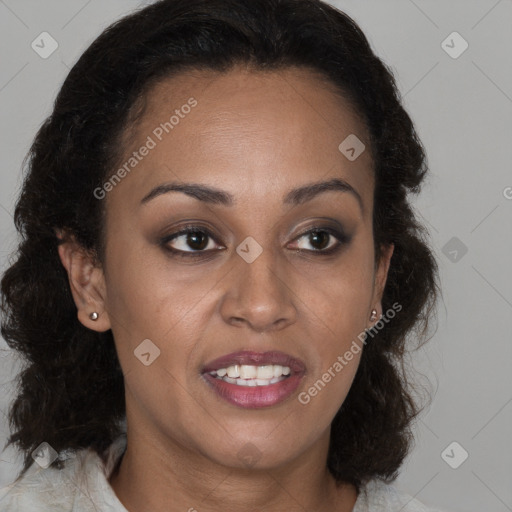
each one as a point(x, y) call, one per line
point(190, 241)
point(323, 240)
point(196, 241)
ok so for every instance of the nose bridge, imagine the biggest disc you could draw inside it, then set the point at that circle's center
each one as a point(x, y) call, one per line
point(258, 293)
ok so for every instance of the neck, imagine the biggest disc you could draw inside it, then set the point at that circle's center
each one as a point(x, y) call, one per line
point(165, 476)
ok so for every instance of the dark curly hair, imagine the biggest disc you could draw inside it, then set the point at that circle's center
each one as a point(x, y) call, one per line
point(71, 390)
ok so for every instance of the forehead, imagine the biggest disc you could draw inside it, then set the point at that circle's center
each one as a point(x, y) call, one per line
point(254, 133)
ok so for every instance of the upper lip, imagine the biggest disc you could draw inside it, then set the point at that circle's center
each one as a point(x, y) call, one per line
point(247, 357)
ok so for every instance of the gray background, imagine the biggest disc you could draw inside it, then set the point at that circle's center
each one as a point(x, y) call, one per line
point(462, 108)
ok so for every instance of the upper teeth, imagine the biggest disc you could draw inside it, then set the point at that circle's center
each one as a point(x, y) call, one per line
point(245, 371)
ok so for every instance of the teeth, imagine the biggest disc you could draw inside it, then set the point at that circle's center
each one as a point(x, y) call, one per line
point(248, 372)
point(265, 372)
point(233, 371)
point(249, 375)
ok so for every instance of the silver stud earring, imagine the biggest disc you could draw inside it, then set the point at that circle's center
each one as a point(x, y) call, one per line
point(373, 316)
point(93, 316)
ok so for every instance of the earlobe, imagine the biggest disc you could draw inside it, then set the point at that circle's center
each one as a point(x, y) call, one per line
point(87, 284)
point(94, 320)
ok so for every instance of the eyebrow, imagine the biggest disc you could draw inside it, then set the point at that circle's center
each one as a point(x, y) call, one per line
point(213, 195)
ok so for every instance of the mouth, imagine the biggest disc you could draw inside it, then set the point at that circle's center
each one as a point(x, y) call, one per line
point(254, 379)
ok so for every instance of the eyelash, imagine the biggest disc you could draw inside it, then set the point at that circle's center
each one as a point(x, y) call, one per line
point(341, 238)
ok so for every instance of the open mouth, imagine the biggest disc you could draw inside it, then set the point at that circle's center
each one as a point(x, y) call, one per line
point(249, 375)
point(252, 379)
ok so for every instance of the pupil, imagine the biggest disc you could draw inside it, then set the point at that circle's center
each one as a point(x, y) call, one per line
point(321, 236)
point(197, 240)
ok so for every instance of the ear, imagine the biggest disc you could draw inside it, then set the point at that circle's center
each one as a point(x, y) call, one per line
point(87, 283)
point(381, 276)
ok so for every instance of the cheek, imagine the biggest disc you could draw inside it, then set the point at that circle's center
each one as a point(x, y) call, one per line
point(340, 315)
point(147, 302)
point(341, 293)
point(338, 306)
point(145, 292)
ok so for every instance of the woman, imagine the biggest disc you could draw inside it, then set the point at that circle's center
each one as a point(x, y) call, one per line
point(220, 271)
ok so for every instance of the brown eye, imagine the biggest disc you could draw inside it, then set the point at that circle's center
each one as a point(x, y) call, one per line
point(323, 241)
point(319, 239)
point(197, 240)
point(189, 242)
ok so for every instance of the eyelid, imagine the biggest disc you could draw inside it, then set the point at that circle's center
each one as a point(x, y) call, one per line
point(184, 230)
point(329, 225)
point(338, 233)
point(322, 227)
point(190, 229)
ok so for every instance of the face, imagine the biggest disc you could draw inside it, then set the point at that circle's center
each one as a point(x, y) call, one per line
point(247, 264)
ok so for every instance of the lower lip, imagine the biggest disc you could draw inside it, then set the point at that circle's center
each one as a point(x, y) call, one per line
point(254, 397)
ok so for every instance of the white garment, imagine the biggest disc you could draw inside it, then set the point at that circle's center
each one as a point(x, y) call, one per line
point(82, 486)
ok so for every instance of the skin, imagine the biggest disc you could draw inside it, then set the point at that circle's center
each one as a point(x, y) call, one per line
point(255, 135)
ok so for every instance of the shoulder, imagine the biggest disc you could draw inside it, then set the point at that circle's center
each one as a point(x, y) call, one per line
point(43, 489)
point(81, 485)
point(377, 496)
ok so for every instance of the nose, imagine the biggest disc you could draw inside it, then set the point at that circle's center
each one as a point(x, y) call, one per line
point(259, 295)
